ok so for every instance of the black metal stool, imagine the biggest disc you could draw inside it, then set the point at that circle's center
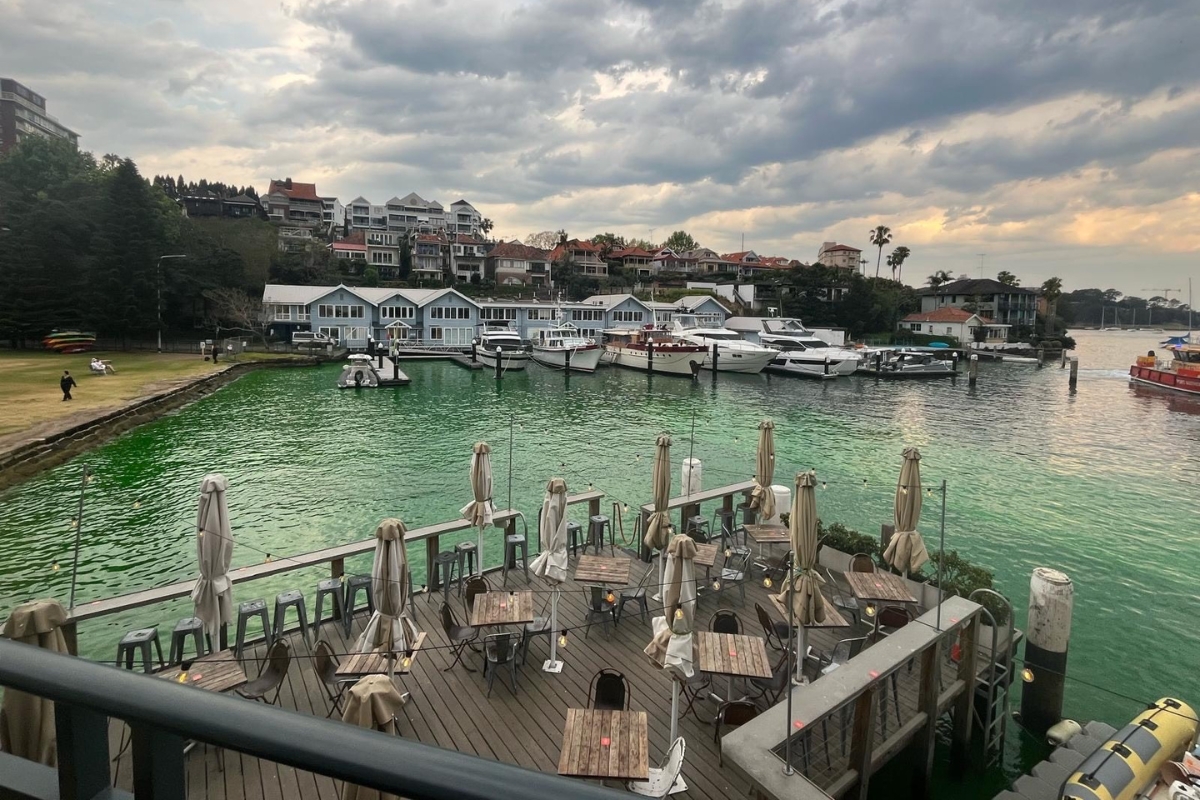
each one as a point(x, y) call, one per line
point(747, 512)
point(251, 608)
point(444, 561)
point(335, 589)
point(465, 551)
point(724, 522)
point(573, 531)
point(139, 640)
point(356, 584)
point(512, 543)
point(697, 528)
point(596, 527)
point(191, 626)
point(284, 601)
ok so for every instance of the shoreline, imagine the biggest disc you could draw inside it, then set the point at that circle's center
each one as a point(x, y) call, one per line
point(30, 452)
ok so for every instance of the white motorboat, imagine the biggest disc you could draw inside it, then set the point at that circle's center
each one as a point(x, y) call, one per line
point(503, 344)
point(801, 352)
point(886, 363)
point(359, 373)
point(733, 353)
point(561, 347)
point(652, 350)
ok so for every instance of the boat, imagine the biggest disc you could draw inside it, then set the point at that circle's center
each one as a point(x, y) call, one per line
point(652, 350)
point(733, 353)
point(512, 353)
point(801, 352)
point(886, 363)
point(359, 373)
point(69, 341)
point(561, 347)
point(1181, 373)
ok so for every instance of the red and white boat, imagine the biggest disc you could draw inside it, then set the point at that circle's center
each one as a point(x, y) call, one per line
point(1181, 373)
point(652, 350)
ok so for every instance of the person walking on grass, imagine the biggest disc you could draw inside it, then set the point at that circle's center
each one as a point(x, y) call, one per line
point(66, 383)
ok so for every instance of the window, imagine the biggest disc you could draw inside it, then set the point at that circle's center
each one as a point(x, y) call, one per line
point(536, 314)
point(283, 312)
point(356, 334)
point(627, 316)
point(435, 333)
point(340, 311)
point(596, 315)
point(396, 312)
point(443, 312)
point(302, 313)
point(498, 313)
point(378, 257)
point(333, 333)
point(949, 331)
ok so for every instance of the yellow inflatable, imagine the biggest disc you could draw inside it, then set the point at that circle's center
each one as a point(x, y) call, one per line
point(1130, 761)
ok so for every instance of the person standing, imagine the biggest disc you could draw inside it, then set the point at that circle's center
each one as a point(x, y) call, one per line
point(66, 383)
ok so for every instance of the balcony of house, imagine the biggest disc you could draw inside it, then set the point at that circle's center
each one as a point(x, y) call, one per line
point(599, 270)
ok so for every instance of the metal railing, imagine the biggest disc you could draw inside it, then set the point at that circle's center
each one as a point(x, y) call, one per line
point(163, 715)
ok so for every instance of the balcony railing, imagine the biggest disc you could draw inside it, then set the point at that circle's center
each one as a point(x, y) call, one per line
point(163, 715)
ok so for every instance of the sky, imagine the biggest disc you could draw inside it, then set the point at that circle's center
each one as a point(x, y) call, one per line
point(1043, 138)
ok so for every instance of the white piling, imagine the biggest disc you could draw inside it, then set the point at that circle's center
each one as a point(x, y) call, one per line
point(1051, 599)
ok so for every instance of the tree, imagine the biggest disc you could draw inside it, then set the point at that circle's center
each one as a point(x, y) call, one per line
point(486, 226)
point(1051, 291)
point(899, 256)
point(608, 242)
point(880, 236)
point(235, 311)
point(405, 268)
point(371, 276)
point(681, 241)
point(545, 240)
point(1007, 278)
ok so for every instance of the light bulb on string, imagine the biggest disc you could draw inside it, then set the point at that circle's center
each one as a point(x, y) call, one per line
point(864, 481)
point(679, 611)
point(728, 552)
point(824, 485)
point(625, 507)
point(870, 609)
point(767, 581)
point(267, 560)
point(1027, 675)
point(562, 639)
point(137, 504)
point(610, 597)
point(903, 490)
point(54, 567)
point(74, 523)
point(406, 662)
point(716, 586)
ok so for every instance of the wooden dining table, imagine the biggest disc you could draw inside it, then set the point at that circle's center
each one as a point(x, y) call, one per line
point(216, 672)
point(733, 655)
point(768, 533)
point(706, 556)
point(833, 617)
point(604, 744)
point(880, 587)
point(502, 608)
point(603, 571)
point(359, 665)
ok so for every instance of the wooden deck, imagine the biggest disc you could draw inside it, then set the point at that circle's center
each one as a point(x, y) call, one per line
point(450, 710)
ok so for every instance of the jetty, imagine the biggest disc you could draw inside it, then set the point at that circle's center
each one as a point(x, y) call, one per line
point(455, 737)
point(453, 355)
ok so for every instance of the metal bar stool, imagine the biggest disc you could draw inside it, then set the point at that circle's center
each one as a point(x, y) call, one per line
point(573, 535)
point(723, 522)
point(511, 543)
point(335, 589)
point(466, 561)
point(191, 626)
point(136, 641)
point(446, 561)
point(597, 525)
point(356, 584)
point(284, 601)
point(251, 608)
point(697, 528)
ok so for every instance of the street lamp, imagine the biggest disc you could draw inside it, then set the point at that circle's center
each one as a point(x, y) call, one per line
point(160, 260)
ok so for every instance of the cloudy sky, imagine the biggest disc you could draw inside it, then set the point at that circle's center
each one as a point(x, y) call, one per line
point(1058, 138)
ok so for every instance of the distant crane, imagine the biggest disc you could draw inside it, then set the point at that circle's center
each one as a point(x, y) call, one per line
point(1165, 294)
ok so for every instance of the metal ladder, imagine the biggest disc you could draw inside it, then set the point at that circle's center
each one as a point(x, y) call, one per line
point(994, 722)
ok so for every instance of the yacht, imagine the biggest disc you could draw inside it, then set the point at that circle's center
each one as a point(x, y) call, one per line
point(652, 350)
point(734, 354)
point(501, 343)
point(801, 352)
point(900, 363)
point(561, 347)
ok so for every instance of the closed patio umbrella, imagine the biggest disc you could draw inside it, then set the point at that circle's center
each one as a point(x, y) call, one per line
point(673, 645)
point(551, 562)
point(803, 587)
point(658, 526)
point(372, 703)
point(906, 551)
point(26, 720)
point(212, 596)
point(390, 627)
point(479, 511)
point(762, 498)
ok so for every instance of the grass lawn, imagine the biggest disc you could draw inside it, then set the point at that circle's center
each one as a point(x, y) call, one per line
point(31, 402)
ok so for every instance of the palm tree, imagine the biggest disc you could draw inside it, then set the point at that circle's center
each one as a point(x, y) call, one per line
point(486, 226)
point(1051, 290)
point(891, 262)
point(898, 257)
point(936, 280)
point(1007, 278)
point(880, 236)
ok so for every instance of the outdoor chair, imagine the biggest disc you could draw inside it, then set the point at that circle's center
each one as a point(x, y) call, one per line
point(725, 621)
point(773, 686)
point(539, 627)
point(459, 636)
point(890, 619)
point(732, 715)
point(861, 562)
point(735, 571)
point(271, 676)
point(326, 664)
point(694, 688)
point(609, 690)
point(599, 608)
point(500, 649)
point(663, 780)
point(848, 604)
point(636, 595)
point(476, 585)
point(777, 632)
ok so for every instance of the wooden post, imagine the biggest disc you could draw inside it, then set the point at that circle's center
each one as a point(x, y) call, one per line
point(499, 363)
point(431, 551)
point(1041, 356)
point(1051, 601)
point(973, 370)
point(510, 528)
point(1073, 380)
point(567, 361)
point(650, 355)
point(1063, 364)
point(862, 738)
point(716, 357)
point(927, 702)
point(593, 506)
point(337, 567)
point(71, 634)
point(960, 748)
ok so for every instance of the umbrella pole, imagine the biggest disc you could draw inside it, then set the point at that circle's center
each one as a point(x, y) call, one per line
point(801, 652)
point(553, 665)
point(941, 556)
point(658, 597)
point(674, 710)
point(479, 566)
point(787, 757)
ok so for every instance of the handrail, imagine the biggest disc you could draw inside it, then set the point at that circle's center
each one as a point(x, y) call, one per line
point(162, 710)
point(708, 495)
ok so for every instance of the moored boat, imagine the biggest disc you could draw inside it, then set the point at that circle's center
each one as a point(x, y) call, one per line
point(503, 344)
point(801, 352)
point(906, 364)
point(652, 350)
point(562, 346)
point(733, 353)
point(359, 373)
point(1181, 373)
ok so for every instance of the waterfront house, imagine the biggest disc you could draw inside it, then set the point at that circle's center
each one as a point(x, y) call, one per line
point(581, 254)
point(383, 251)
point(294, 204)
point(430, 256)
point(612, 311)
point(667, 260)
point(463, 219)
point(706, 308)
point(962, 325)
point(467, 254)
point(842, 256)
point(516, 264)
point(414, 213)
point(1010, 305)
point(708, 262)
point(351, 252)
point(635, 258)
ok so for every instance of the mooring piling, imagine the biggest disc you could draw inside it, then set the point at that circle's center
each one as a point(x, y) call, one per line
point(1074, 378)
point(1051, 599)
point(973, 370)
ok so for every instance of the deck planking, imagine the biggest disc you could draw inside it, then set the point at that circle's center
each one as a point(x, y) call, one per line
point(450, 709)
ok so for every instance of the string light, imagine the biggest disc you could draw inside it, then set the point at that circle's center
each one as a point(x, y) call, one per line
point(406, 662)
point(90, 478)
point(679, 611)
point(903, 490)
point(864, 481)
point(267, 560)
point(767, 581)
point(870, 609)
point(562, 639)
point(824, 485)
point(1027, 675)
point(137, 504)
point(74, 524)
point(55, 566)
point(716, 585)
point(610, 597)
point(728, 552)
point(625, 507)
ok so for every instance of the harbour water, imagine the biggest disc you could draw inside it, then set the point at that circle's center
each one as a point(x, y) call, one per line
point(1098, 484)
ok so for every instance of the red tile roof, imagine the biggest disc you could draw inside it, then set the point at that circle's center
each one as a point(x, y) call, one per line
point(631, 252)
point(735, 257)
point(947, 314)
point(299, 191)
point(516, 250)
point(574, 245)
point(841, 247)
point(431, 237)
point(347, 245)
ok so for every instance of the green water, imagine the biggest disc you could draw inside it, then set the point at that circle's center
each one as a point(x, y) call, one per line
point(1097, 484)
